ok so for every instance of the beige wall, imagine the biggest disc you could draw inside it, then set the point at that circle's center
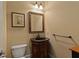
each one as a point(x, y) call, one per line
point(62, 18)
point(18, 35)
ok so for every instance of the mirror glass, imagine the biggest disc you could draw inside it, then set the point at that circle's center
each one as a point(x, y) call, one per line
point(36, 22)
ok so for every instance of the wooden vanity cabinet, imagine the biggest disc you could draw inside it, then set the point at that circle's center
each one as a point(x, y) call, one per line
point(40, 49)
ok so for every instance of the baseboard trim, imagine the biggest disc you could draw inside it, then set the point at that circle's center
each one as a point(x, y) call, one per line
point(51, 56)
point(28, 56)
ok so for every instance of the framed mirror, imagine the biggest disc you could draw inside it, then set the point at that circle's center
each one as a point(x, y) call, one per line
point(36, 22)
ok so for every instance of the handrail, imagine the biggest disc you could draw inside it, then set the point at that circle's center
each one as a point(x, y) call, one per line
point(62, 36)
point(65, 37)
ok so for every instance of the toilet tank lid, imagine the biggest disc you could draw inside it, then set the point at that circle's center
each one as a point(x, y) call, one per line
point(19, 46)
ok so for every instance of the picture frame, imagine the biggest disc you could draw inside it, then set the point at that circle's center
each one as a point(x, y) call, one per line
point(18, 19)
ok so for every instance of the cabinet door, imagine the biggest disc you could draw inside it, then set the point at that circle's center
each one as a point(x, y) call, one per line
point(43, 50)
point(35, 51)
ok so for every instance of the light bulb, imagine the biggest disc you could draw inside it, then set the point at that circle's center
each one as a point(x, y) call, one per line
point(36, 6)
point(40, 7)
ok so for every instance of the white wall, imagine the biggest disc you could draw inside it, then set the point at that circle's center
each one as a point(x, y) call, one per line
point(2, 26)
point(62, 18)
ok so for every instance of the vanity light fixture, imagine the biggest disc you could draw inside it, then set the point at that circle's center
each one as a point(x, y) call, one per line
point(38, 6)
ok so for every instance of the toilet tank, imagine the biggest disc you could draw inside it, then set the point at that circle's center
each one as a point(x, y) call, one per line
point(18, 50)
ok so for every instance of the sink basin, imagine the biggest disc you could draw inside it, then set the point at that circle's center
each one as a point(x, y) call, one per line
point(39, 40)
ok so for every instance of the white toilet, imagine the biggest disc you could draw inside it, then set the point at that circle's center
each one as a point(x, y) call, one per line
point(18, 51)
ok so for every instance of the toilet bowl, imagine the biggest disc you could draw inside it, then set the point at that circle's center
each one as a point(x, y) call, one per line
point(18, 51)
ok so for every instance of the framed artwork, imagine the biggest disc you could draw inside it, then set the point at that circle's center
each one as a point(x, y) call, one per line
point(18, 19)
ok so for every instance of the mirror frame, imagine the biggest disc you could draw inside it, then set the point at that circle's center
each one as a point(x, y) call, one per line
point(30, 30)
